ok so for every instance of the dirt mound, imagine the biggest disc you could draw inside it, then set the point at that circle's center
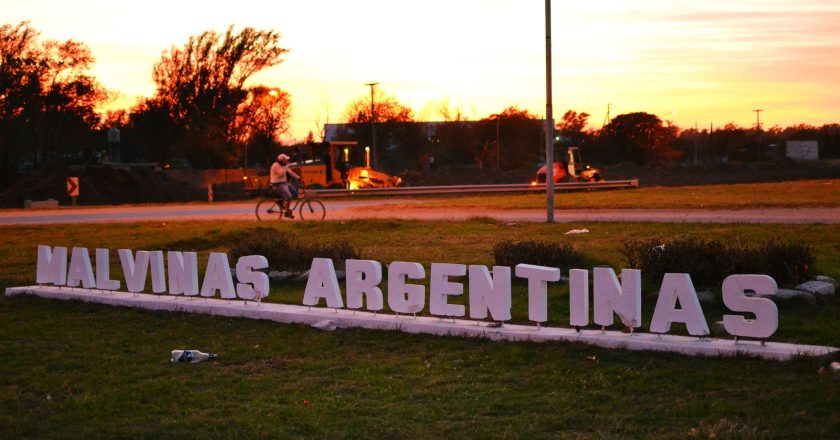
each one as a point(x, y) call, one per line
point(98, 186)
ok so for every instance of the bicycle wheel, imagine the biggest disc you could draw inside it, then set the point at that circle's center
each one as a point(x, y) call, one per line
point(312, 210)
point(268, 209)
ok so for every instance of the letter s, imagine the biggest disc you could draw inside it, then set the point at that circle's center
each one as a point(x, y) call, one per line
point(766, 313)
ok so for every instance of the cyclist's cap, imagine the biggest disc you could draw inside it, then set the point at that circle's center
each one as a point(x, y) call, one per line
point(282, 157)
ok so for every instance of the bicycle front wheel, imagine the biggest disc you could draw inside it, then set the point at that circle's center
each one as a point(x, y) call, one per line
point(312, 210)
point(269, 209)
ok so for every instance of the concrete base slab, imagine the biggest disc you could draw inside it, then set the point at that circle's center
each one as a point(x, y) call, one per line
point(294, 314)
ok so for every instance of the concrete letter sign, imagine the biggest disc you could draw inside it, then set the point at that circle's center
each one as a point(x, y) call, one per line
point(218, 277)
point(322, 283)
point(490, 294)
point(678, 286)
point(52, 265)
point(624, 300)
point(363, 278)
point(80, 270)
point(489, 297)
point(766, 313)
point(440, 288)
point(404, 297)
point(538, 278)
point(183, 273)
point(251, 283)
point(103, 271)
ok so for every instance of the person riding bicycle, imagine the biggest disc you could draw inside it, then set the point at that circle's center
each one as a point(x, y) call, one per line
point(280, 174)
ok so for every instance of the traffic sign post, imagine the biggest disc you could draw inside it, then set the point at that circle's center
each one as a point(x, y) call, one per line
point(73, 188)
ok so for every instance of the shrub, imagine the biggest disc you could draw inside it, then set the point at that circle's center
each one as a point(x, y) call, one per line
point(787, 262)
point(287, 253)
point(710, 261)
point(561, 255)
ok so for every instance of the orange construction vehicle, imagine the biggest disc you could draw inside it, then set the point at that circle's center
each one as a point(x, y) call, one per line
point(570, 169)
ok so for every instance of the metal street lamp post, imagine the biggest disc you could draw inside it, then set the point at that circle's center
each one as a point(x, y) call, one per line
point(373, 124)
point(549, 121)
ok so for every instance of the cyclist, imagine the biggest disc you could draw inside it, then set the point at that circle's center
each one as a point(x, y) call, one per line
point(280, 174)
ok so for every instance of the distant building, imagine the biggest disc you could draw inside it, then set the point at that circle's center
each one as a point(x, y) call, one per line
point(802, 150)
point(333, 132)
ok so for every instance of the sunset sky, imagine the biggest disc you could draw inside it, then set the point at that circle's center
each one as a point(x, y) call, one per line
point(709, 62)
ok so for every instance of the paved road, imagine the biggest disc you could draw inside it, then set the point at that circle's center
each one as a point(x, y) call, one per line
point(170, 212)
point(409, 209)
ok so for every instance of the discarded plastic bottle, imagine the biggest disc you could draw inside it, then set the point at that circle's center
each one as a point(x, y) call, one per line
point(191, 356)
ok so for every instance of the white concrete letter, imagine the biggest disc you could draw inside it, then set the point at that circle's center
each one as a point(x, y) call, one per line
point(218, 277)
point(183, 273)
point(579, 297)
point(766, 313)
point(490, 293)
point(363, 278)
point(322, 283)
point(440, 288)
point(134, 269)
point(251, 284)
point(624, 300)
point(678, 287)
point(52, 265)
point(157, 272)
point(538, 278)
point(103, 271)
point(80, 270)
point(404, 297)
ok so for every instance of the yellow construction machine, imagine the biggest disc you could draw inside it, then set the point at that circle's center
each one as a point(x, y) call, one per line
point(338, 164)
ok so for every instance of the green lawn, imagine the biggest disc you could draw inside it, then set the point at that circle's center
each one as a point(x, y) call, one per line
point(84, 370)
point(790, 194)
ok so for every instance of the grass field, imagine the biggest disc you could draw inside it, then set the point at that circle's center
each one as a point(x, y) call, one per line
point(83, 370)
point(790, 194)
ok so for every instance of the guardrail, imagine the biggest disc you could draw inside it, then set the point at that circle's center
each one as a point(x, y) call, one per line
point(476, 189)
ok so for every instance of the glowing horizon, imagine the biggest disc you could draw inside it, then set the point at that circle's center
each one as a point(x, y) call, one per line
point(711, 62)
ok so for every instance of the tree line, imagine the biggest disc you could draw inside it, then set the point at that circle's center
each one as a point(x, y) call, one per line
point(515, 139)
point(206, 113)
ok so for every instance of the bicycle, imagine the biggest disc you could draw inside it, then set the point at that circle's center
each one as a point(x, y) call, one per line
point(272, 207)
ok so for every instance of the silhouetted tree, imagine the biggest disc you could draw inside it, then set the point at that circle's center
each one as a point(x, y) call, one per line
point(641, 138)
point(573, 132)
point(448, 139)
point(396, 137)
point(152, 132)
point(830, 141)
point(734, 143)
point(47, 98)
point(260, 121)
point(573, 126)
point(520, 137)
point(201, 87)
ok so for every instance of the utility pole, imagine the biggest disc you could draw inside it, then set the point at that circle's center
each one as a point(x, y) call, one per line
point(758, 132)
point(549, 121)
point(498, 146)
point(373, 125)
point(696, 145)
point(607, 117)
